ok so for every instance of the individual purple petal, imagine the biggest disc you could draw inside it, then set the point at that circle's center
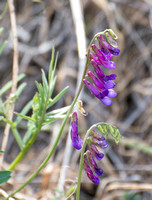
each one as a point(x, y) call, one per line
point(109, 84)
point(106, 101)
point(75, 137)
point(110, 77)
point(90, 174)
point(96, 153)
point(114, 51)
point(98, 171)
point(93, 164)
point(111, 93)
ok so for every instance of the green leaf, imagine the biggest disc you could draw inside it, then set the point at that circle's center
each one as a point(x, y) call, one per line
point(20, 89)
point(1, 151)
point(58, 111)
point(4, 176)
point(53, 83)
point(45, 83)
point(70, 192)
point(25, 117)
point(2, 46)
point(7, 121)
point(25, 110)
point(52, 119)
point(8, 85)
point(51, 64)
point(57, 97)
point(40, 89)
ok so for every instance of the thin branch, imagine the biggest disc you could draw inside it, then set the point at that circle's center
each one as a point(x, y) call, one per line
point(15, 69)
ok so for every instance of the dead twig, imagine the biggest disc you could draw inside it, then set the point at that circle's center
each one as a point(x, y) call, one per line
point(15, 69)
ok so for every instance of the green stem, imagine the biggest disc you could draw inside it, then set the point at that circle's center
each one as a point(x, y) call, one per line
point(24, 151)
point(60, 132)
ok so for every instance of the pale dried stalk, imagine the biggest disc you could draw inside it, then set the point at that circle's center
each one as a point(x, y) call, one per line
point(128, 186)
point(81, 45)
point(15, 69)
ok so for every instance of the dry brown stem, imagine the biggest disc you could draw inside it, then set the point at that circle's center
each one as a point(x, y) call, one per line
point(15, 69)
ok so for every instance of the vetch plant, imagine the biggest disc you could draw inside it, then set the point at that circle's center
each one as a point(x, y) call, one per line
point(99, 84)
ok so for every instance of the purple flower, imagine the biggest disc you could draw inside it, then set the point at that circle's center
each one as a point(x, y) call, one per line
point(101, 60)
point(106, 80)
point(75, 137)
point(101, 53)
point(93, 164)
point(101, 84)
point(95, 152)
point(96, 82)
point(90, 174)
point(106, 47)
point(101, 96)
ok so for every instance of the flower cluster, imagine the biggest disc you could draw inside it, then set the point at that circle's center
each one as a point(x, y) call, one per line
point(90, 164)
point(103, 85)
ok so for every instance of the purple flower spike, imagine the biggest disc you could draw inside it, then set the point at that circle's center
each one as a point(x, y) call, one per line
point(109, 84)
point(90, 174)
point(93, 164)
point(96, 153)
point(75, 137)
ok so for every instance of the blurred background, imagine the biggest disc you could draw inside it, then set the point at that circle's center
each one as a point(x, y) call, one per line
point(127, 166)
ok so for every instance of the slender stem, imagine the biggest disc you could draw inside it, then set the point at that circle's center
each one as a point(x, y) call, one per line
point(15, 69)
